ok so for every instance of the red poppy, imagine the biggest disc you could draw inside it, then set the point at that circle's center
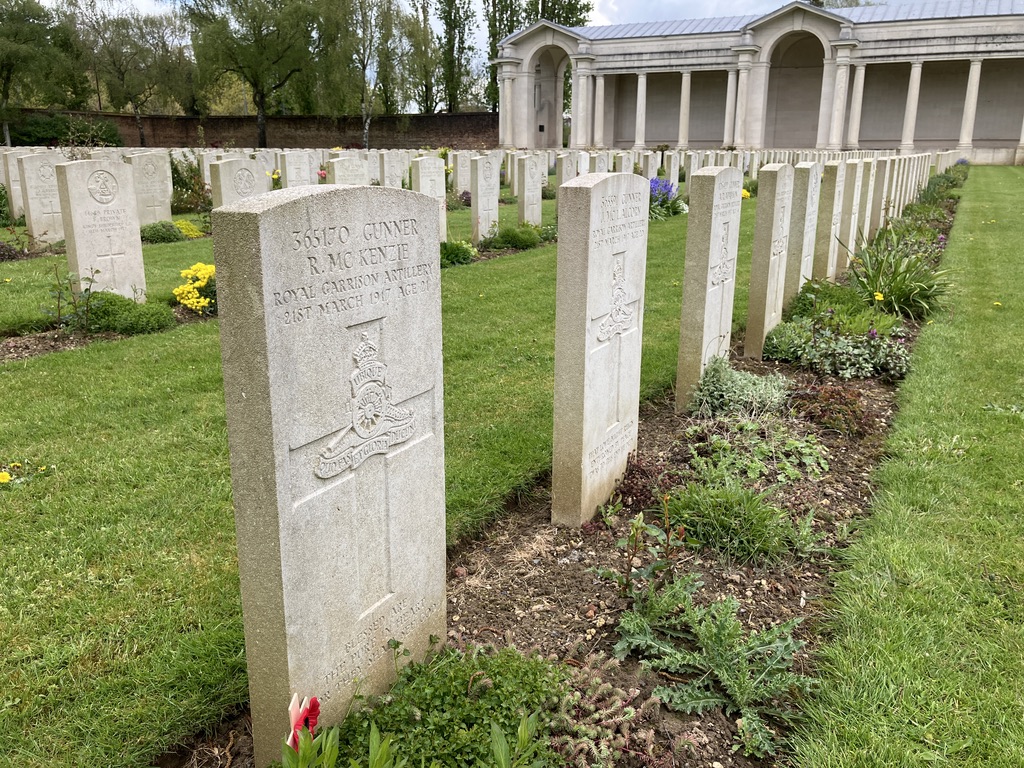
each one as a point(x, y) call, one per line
point(302, 716)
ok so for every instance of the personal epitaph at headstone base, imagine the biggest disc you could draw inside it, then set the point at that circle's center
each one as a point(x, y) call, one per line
point(330, 322)
point(599, 311)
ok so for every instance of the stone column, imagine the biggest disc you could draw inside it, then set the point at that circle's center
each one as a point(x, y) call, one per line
point(599, 111)
point(741, 104)
point(560, 101)
point(838, 121)
point(970, 107)
point(586, 112)
point(729, 133)
point(684, 111)
point(853, 135)
point(828, 79)
point(505, 111)
point(576, 129)
point(640, 134)
point(910, 112)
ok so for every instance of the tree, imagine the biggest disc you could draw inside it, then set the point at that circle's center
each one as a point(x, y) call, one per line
point(503, 18)
point(568, 13)
point(264, 42)
point(392, 49)
point(457, 20)
point(24, 30)
point(423, 65)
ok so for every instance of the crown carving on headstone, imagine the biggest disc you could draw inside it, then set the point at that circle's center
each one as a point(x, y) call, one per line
point(365, 353)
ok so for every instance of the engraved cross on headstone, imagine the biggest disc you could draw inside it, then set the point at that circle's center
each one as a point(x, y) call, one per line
point(718, 311)
point(153, 207)
point(108, 261)
point(610, 328)
point(51, 215)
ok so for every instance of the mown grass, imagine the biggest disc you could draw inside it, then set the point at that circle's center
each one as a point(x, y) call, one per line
point(927, 665)
point(119, 606)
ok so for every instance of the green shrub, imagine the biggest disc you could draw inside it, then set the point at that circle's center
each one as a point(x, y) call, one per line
point(5, 208)
point(443, 710)
point(787, 340)
point(456, 201)
point(892, 274)
point(817, 295)
point(510, 237)
point(190, 193)
point(722, 390)
point(736, 522)
point(455, 252)
point(161, 232)
point(548, 192)
point(38, 130)
point(857, 357)
point(111, 312)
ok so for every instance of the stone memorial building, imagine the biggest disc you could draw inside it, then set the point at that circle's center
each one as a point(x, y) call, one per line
point(911, 76)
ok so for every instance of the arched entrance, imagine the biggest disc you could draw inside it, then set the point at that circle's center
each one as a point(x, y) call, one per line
point(794, 92)
point(548, 101)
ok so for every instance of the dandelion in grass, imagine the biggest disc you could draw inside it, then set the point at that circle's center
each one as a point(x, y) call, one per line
point(879, 296)
point(5, 477)
point(997, 303)
point(745, 194)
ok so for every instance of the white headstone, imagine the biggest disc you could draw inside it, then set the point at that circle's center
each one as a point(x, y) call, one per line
point(330, 326)
point(599, 311)
point(428, 178)
point(348, 170)
point(768, 259)
point(41, 202)
point(803, 227)
point(709, 280)
point(298, 168)
point(234, 180)
point(484, 192)
point(152, 185)
point(530, 211)
point(101, 226)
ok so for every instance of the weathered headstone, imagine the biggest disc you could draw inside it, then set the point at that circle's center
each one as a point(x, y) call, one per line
point(298, 168)
point(565, 168)
point(709, 281)
point(428, 178)
point(850, 235)
point(153, 187)
point(768, 258)
point(238, 179)
point(484, 192)
point(15, 198)
point(528, 172)
point(599, 163)
point(830, 214)
point(40, 200)
point(460, 171)
point(348, 170)
point(671, 163)
point(392, 169)
point(330, 307)
point(803, 227)
point(101, 226)
point(599, 311)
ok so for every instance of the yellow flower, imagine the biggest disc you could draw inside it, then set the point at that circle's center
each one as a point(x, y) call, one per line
point(745, 194)
point(5, 477)
point(997, 303)
point(878, 296)
point(7, 279)
point(42, 469)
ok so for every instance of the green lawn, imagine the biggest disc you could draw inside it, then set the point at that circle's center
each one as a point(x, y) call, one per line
point(927, 664)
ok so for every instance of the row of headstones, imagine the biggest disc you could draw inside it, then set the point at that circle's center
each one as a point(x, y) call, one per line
point(330, 311)
point(30, 177)
point(96, 206)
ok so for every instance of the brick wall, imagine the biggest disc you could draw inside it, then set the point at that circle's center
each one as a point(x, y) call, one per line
point(465, 130)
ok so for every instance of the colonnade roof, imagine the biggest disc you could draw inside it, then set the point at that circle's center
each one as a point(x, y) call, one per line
point(868, 14)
